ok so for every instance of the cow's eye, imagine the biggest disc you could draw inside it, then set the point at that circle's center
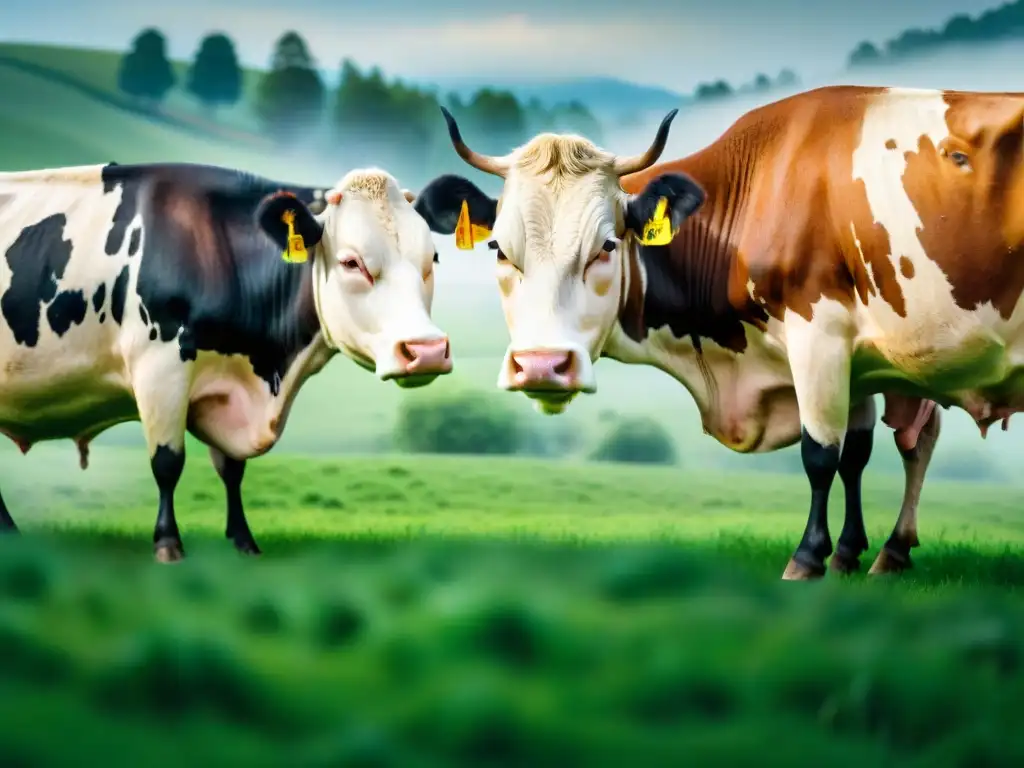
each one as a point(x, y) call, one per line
point(959, 159)
point(609, 246)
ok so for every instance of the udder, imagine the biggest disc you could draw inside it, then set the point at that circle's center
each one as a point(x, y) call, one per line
point(234, 416)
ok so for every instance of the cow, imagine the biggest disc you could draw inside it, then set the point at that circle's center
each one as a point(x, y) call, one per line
point(200, 299)
point(830, 246)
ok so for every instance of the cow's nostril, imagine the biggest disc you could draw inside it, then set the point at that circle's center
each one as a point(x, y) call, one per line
point(564, 365)
point(405, 353)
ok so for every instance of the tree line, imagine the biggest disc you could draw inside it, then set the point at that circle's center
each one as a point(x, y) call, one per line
point(1005, 22)
point(389, 120)
point(761, 83)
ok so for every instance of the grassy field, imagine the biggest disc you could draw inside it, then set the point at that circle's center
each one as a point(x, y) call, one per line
point(756, 517)
point(461, 611)
point(437, 611)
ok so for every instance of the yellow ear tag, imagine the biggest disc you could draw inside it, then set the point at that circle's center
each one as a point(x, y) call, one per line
point(468, 234)
point(658, 231)
point(296, 253)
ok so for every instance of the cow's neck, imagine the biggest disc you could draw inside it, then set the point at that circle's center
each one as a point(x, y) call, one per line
point(692, 287)
point(277, 309)
point(681, 309)
point(295, 346)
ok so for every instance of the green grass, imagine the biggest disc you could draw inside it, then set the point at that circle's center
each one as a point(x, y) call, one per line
point(757, 518)
point(447, 611)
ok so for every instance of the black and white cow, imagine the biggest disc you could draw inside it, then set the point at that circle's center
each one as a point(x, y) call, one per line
point(160, 293)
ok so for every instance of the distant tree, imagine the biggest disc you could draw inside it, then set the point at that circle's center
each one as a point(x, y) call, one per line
point(912, 42)
point(574, 117)
point(715, 90)
point(290, 97)
point(1004, 22)
point(960, 28)
point(786, 79)
point(497, 119)
point(538, 118)
point(762, 82)
point(215, 78)
point(400, 124)
point(291, 51)
point(145, 72)
point(865, 53)
point(393, 122)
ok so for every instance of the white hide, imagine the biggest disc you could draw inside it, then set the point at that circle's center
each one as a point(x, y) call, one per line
point(375, 226)
point(557, 292)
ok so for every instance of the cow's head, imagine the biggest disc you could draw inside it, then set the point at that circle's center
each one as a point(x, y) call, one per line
point(372, 274)
point(559, 231)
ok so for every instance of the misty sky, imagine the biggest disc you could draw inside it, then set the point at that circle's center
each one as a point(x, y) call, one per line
point(673, 44)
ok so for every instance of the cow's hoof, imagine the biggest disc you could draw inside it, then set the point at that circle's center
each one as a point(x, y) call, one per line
point(844, 563)
point(247, 547)
point(890, 562)
point(798, 571)
point(168, 551)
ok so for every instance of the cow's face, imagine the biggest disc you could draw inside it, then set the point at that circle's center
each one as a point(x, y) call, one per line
point(373, 278)
point(559, 237)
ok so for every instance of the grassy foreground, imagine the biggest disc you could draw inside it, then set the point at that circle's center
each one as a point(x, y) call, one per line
point(969, 532)
point(429, 611)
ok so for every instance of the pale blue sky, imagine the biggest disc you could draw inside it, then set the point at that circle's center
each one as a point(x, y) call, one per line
point(664, 42)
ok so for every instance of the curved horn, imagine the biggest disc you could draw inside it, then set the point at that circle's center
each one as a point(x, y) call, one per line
point(485, 163)
point(627, 165)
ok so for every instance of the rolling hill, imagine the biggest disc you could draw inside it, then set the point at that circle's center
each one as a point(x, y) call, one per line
point(95, 71)
point(606, 97)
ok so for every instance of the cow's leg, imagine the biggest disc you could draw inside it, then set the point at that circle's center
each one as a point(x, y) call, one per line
point(6, 521)
point(237, 529)
point(161, 383)
point(895, 553)
point(819, 354)
point(853, 539)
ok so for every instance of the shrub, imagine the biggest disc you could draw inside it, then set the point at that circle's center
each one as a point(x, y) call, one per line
point(638, 439)
point(462, 422)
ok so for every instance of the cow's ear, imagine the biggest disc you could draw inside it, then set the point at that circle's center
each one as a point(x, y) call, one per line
point(682, 194)
point(272, 219)
point(440, 203)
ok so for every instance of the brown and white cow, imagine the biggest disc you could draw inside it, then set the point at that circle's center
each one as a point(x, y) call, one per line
point(836, 244)
point(160, 293)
